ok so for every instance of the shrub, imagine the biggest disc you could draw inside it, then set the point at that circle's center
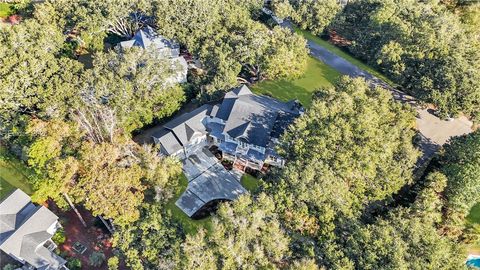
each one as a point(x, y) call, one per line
point(74, 264)
point(96, 258)
point(59, 237)
point(9, 267)
point(113, 263)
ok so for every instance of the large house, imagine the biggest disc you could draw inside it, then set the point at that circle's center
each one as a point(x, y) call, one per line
point(165, 49)
point(26, 231)
point(244, 126)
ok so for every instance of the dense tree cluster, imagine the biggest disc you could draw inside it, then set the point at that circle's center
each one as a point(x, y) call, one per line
point(351, 151)
point(314, 15)
point(226, 39)
point(421, 45)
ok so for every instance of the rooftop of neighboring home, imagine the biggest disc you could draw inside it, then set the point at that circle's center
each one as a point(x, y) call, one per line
point(164, 48)
point(24, 228)
point(147, 37)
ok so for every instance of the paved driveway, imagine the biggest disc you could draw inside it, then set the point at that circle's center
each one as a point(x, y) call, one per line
point(208, 180)
point(433, 130)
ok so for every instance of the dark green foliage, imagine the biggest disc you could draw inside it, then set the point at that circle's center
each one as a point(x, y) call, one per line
point(74, 264)
point(461, 164)
point(314, 15)
point(96, 259)
point(152, 242)
point(422, 46)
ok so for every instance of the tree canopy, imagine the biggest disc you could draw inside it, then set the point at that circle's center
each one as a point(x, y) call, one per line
point(419, 44)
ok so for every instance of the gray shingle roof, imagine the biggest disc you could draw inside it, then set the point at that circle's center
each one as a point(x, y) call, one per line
point(184, 129)
point(250, 116)
point(24, 229)
point(147, 37)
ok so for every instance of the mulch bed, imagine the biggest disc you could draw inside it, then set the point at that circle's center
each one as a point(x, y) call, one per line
point(94, 237)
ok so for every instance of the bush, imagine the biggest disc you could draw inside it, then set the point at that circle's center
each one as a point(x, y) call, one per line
point(74, 264)
point(59, 237)
point(113, 263)
point(96, 258)
point(9, 267)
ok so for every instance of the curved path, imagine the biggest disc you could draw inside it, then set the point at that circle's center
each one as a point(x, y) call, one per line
point(433, 130)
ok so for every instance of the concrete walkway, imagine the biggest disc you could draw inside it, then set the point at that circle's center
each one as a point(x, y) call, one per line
point(433, 130)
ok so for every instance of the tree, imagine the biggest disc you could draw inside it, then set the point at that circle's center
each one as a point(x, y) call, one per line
point(152, 242)
point(226, 39)
point(402, 242)
point(352, 147)
point(133, 86)
point(460, 163)
point(245, 234)
point(34, 79)
point(89, 22)
point(421, 45)
point(314, 15)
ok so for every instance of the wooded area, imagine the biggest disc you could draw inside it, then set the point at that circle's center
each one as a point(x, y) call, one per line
point(336, 203)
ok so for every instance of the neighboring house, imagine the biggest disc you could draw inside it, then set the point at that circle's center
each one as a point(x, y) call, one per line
point(166, 49)
point(244, 126)
point(26, 231)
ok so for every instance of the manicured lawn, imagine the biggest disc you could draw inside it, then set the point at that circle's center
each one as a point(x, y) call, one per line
point(190, 226)
point(474, 219)
point(474, 216)
point(13, 174)
point(5, 10)
point(316, 76)
point(250, 183)
point(334, 49)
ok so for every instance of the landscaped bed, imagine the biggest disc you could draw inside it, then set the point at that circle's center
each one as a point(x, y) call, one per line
point(318, 75)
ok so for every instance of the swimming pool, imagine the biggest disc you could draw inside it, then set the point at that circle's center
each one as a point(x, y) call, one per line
point(473, 261)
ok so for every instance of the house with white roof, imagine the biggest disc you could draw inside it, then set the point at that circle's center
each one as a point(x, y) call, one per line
point(26, 231)
point(165, 49)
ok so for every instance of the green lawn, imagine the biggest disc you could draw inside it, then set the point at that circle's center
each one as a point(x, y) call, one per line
point(5, 10)
point(316, 76)
point(12, 175)
point(345, 55)
point(474, 219)
point(250, 183)
point(474, 216)
point(190, 226)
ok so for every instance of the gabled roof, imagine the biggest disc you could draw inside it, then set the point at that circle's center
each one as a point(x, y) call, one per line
point(189, 125)
point(252, 117)
point(169, 143)
point(24, 237)
point(180, 131)
point(147, 37)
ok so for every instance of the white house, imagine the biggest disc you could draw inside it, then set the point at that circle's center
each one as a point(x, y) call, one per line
point(26, 231)
point(166, 49)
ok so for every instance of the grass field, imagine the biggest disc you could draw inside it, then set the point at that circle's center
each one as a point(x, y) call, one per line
point(345, 55)
point(12, 175)
point(316, 76)
point(5, 10)
point(190, 226)
point(249, 182)
point(474, 219)
point(474, 216)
